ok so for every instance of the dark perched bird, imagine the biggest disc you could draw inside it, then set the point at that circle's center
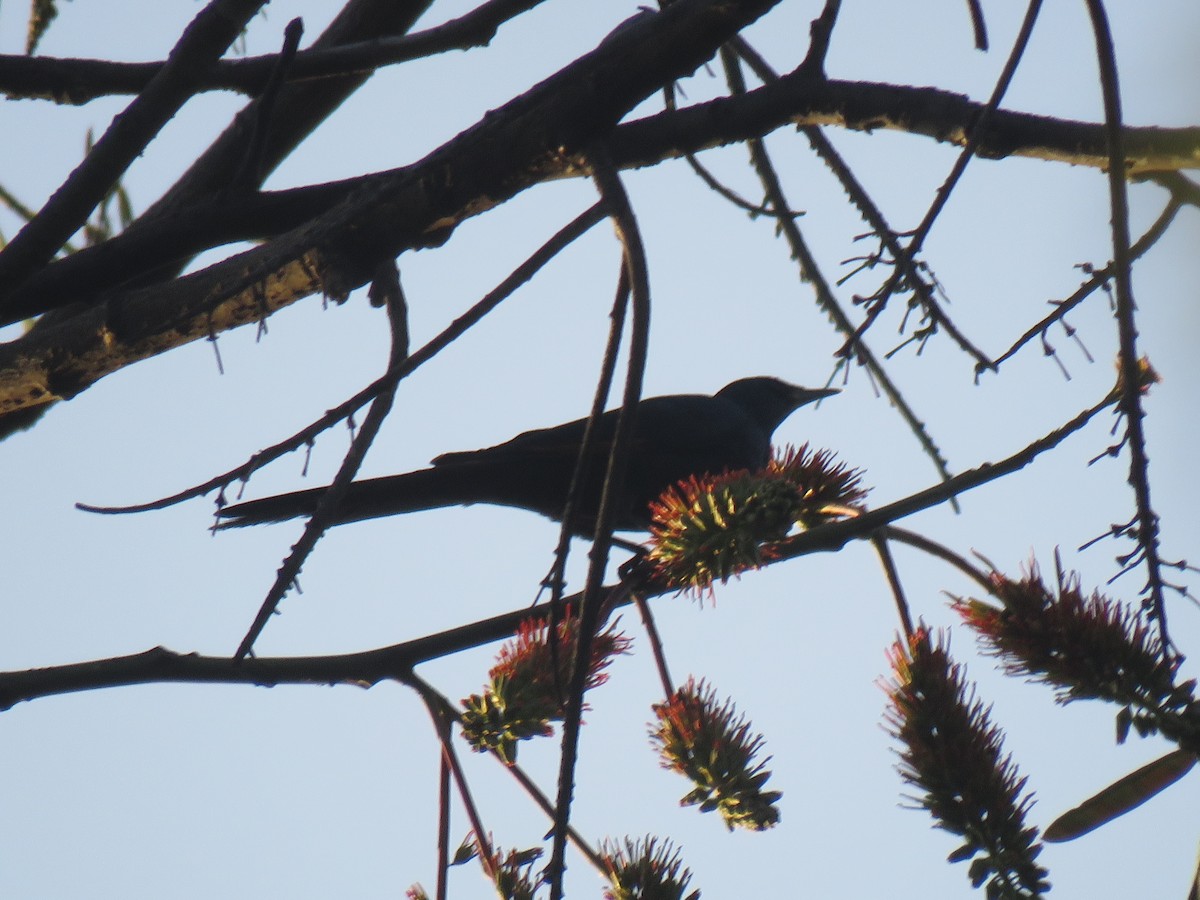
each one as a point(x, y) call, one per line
point(673, 437)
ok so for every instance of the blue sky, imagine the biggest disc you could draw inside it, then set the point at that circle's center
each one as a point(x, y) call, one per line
point(305, 792)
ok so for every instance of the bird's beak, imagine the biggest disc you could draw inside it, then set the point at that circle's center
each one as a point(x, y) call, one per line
point(805, 395)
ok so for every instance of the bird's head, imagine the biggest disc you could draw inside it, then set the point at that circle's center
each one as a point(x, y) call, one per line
point(770, 400)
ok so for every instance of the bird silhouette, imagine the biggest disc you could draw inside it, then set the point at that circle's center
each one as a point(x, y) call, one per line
point(673, 437)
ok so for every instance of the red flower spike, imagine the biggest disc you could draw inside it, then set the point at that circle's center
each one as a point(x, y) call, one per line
point(525, 695)
point(1087, 647)
point(642, 870)
point(713, 527)
point(953, 755)
point(716, 751)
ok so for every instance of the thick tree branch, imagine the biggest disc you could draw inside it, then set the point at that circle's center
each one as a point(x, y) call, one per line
point(299, 108)
point(543, 131)
point(502, 155)
point(210, 221)
point(799, 99)
point(204, 40)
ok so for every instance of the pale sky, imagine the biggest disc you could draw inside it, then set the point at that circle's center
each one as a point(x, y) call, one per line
point(191, 791)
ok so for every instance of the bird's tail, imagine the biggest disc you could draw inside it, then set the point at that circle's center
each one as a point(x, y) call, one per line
point(367, 499)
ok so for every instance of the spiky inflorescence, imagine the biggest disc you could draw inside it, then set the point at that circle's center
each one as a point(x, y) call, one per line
point(514, 877)
point(526, 693)
point(711, 527)
point(1086, 647)
point(705, 742)
point(953, 754)
point(643, 870)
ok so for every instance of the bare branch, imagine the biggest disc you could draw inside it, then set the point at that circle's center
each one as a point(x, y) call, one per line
point(1099, 278)
point(327, 506)
point(399, 370)
point(799, 99)
point(590, 610)
point(542, 132)
point(1131, 385)
point(370, 667)
point(212, 30)
point(811, 272)
point(84, 80)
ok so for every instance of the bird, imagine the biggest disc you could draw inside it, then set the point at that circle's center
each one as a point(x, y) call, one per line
point(673, 437)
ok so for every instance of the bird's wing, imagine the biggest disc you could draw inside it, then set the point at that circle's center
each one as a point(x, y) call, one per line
point(674, 428)
point(664, 425)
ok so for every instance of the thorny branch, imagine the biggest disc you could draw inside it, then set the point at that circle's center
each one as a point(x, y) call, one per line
point(1098, 279)
point(810, 270)
point(399, 370)
point(906, 273)
point(616, 203)
point(318, 522)
point(1146, 533)
point(369, 667)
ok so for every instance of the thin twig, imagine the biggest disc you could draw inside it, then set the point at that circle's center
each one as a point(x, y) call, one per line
point(617, 204)
point(547, 807)
point(879, 542)
point(1180, 186)
point(906, 272)
point(656, 645)
point(441, 724)
point(451, 713)
point(874, 216)
point(1147, 532)
point(979, 127)
point(253, 169)
point(305, 437)
point(755, 209)
point(443, 832)
point(1098, 279)
point(941, 551)
point(329, 501)
point(978, 24)
point(608, 366)
point(824, 293)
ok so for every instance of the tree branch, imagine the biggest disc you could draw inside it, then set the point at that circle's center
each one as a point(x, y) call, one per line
point(367, 668)
point(204, 40)
point(1146, 533)
point(542, 132)
point(591, 608)
point(79, 81)
point(212, 220)
point(799, 99)
point(416, 206)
